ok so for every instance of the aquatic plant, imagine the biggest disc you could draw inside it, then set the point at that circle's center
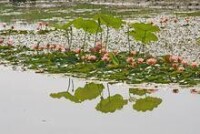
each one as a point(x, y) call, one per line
point(110, 22)
point(67, 27)
point(88, 26)
point(112, 103)
point(104, 66)
point(144, 33)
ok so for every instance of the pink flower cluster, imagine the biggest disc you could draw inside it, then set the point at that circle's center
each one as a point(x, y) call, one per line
point(89, 58)
point(179, 63)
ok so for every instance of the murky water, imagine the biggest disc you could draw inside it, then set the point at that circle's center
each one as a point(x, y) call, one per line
point(26, 107)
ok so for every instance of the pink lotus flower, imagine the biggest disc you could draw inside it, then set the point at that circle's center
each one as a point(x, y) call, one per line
point(140, 60)
point(151, 61)
point(180, 59)
point(98, 46)
point(77, 51)
point(92, 57)
point(133, 53)
point(105, 58)
point(180, 69)
point(103, 51)
point(194, 64)
point(184, 62)
point(130, 60)
point(173, 58)
point(106, 54)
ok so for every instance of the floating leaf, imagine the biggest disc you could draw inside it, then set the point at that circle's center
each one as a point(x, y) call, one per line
point(137, 91)
point(111, 104)
point(66, 95)
point(89, 92)
point(148, 103)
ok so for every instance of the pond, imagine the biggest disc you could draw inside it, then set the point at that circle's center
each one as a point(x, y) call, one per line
point(26, 107)
point(99, 69)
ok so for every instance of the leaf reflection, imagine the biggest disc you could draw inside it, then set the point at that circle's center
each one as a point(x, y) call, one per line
point(137, 98)
point(147, 103)
point(111, 104)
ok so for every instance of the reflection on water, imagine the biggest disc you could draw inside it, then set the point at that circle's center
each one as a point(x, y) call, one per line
point(26, 107)
point(108, 104)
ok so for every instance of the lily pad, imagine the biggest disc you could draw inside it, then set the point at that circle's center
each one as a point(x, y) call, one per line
point(89, 92)
point(111, 104)
point(148, 103)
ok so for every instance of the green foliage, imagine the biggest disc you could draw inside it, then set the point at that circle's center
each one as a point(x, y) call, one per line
point(14, 32)
point(64, 26)
point(144, 32)
point(148, 103)
point(145, 27)
point(109, 20)
point(66, 95)
point(137, 91)
point(89, 92)
point(111, 104)
point(114, 59)
point(87, 25)
point(69, 62)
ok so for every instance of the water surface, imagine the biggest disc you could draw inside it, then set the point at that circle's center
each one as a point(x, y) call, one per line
point(26, 107)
